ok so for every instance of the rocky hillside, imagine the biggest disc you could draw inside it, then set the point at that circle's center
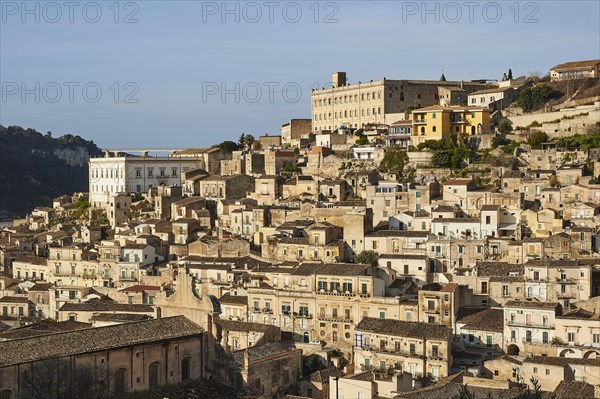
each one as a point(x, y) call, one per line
point(35, 168)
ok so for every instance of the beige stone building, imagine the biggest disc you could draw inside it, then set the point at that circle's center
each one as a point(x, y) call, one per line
point(125, 357)
point(377, 102)
point(237, 335)
point(294, 130)
point(422, 349)
point(575, 70)
point(527, 322)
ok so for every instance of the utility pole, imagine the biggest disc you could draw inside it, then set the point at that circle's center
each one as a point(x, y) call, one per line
point(337, 390)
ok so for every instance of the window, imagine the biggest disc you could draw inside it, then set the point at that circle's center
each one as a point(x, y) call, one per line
point(120, 380)
point(347, 288)
point(434, 351)
point(185, 368)
point(545, 337)
point(154, 375)
point(484, 287)
point(571, 337)
point(412, 349)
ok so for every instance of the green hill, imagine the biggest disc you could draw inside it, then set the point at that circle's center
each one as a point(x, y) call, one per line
point(35, 168)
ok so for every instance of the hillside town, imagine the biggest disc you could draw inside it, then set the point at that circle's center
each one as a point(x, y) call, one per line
point(411, 239)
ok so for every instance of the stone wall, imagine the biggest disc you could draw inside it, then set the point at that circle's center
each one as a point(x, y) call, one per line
point(584, 118)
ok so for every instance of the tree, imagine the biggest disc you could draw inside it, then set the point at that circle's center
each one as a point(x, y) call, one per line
point(249, 141)
point(242, 140)
point(228, 146)
point(368, 257)
point(533, 98)
point(510, 75)
point(536, 139)
point(362, 140)
point(393, 161)
point(464, 393)
point(504, 127)
point(60, 379)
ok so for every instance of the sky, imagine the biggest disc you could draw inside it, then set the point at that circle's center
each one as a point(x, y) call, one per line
point(158, 74)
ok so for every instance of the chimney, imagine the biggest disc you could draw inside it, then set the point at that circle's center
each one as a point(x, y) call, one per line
point(338, 79)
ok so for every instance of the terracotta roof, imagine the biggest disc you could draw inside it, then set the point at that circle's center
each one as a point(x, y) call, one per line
point(576, 65)
point(489, 269)
point(573, 389)
point(95, 339)
point(103, 305)
point(41, 286)
point(398, 233)
point(140, 288)
point(457, 182)
point(335, 269)
point(44, 328)
point(246, 326)
point(15, 299)
point(404, 328)
point(120, 317)
point(259, 352)
point(485, 320)
point(450, 287)
point(562, 361)
point(531, 304)
point(234, 299)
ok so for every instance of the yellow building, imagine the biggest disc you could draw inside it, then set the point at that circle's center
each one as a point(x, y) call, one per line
point(436, 122)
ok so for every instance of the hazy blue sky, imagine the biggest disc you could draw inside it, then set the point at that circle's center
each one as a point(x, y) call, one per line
point(173, 56)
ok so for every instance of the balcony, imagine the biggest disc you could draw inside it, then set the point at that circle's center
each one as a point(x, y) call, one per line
point(420, 121)
point(267, 310)
point(336, 293)
point(530, 325)
point(335, 319)
point(255, 310)
point(566, 295)
point(569, 280)
point(536, 280)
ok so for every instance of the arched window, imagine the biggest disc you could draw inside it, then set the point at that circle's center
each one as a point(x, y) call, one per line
point(121, 380)
point(154, 375)
point(306, 336)
point(6, 394)
point(185, 368)
point(334, 336)
point(434, 128)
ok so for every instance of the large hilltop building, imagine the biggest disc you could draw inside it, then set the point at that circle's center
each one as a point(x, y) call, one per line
point(381, 101)
point(124, 173)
